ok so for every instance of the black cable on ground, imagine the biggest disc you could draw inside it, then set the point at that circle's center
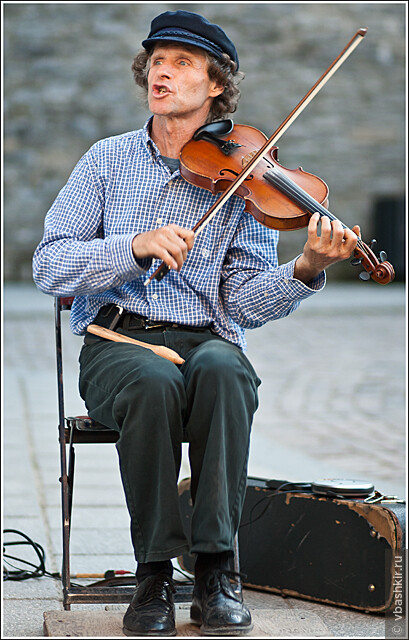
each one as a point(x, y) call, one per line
point(12, 572)
point(31, 570)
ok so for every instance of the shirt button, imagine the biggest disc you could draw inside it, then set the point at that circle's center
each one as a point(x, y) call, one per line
point(206, 253)
point(159, 220)
point(155, 296)
point(286, 280)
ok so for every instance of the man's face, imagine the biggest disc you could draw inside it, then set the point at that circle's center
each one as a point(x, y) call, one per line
point(178, 82)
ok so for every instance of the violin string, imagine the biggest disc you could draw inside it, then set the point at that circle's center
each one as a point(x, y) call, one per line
point(296, 193)
point(301, 197)
point(308, 201)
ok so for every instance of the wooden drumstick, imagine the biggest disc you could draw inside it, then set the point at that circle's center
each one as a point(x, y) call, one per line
point(164, 352)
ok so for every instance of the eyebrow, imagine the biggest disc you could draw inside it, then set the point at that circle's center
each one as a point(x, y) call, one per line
point(184, 53)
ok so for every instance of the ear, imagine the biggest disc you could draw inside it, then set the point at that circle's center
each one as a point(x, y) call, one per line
point(215, 90)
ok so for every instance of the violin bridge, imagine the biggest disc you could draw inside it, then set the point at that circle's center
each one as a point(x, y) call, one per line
point(246, 159)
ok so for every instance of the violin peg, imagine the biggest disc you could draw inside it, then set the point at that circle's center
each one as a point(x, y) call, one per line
point(383, 256)
point(356, 261)
point(364, 275)
point(373, 244)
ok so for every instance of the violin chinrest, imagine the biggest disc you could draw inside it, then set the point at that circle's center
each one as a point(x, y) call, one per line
point(218, 129)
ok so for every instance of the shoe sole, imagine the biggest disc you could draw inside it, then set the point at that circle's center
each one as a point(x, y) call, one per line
point(155, 634)
point(226, 631)
point(229, 630)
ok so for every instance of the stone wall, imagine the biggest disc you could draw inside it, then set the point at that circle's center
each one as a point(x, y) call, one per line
point(68, 83)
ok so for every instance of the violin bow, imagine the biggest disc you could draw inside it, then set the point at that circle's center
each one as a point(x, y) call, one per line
point(163, 268)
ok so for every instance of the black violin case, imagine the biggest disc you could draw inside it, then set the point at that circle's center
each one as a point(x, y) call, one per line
point(331, 549)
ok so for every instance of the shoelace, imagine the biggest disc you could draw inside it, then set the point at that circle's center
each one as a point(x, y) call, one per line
point(222, 577)
point(155, 587)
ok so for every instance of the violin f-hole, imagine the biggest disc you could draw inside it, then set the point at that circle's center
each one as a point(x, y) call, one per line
point(222, 172)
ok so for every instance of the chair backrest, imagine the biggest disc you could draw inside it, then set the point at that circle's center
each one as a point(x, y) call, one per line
point(66, 302)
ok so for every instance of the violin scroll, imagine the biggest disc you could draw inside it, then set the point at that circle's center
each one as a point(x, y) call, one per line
point(380, 271)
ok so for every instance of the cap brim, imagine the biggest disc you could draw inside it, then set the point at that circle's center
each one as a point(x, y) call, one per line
point(150, 43)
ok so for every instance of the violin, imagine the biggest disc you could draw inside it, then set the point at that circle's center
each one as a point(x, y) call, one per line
point(240, 160)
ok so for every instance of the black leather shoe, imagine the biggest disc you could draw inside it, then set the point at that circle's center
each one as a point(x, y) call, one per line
point(152, 611)
point(217, 607)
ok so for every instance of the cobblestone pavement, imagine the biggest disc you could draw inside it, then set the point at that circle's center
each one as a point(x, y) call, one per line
point(332, 404)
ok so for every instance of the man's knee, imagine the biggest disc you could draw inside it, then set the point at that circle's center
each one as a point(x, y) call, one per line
point(219, 360)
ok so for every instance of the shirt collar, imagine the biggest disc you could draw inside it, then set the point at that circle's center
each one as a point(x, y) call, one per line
point(148, 142)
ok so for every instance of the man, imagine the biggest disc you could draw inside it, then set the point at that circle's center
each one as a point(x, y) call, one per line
point(124, 210)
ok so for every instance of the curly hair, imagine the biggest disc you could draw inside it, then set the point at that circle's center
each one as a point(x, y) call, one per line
point(220, 69)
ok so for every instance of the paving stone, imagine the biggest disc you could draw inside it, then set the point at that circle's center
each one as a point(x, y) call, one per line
point(95, 563)
point(34, 589)
point(341, 621)
point(88, 517)
point(24, 618)
point(92, 541)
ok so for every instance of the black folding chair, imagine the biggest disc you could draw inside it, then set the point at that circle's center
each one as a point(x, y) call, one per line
point(78, 430)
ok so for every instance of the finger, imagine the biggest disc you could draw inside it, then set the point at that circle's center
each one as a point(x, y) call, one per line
point(175, 258)
point(185, 235)
point(178, 247)
point(350, 240)
point(183, 240)
point(178, 253)
point(357, 230)
point(188, 236)
point(166, 255)
point(326, 231)
point(338, 233)
point(313, 227)
point(165, 247)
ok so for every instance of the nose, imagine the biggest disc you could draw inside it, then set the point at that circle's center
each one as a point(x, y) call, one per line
point(162, 70)
point(165, 70)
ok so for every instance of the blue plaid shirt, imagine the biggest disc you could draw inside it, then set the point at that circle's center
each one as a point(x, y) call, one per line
point(121, 187)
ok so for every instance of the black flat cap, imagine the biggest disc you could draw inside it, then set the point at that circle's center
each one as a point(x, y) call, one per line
point(190, 28)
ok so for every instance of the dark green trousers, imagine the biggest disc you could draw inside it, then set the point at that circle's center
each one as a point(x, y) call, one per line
point(209, 402)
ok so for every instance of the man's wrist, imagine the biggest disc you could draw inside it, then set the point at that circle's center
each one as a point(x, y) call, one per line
point(304, 271)
point(142, 262)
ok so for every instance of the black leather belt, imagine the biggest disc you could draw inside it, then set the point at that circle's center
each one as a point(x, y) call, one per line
point(113, 316)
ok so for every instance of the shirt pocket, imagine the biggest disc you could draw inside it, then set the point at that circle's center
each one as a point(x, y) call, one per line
point(211, 242)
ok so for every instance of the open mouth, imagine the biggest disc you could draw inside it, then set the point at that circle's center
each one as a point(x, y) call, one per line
point(160, 90)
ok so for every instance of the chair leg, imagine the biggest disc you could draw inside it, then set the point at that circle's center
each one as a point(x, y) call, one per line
point(66, 524)
point(67, 496)
point(70, 479)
